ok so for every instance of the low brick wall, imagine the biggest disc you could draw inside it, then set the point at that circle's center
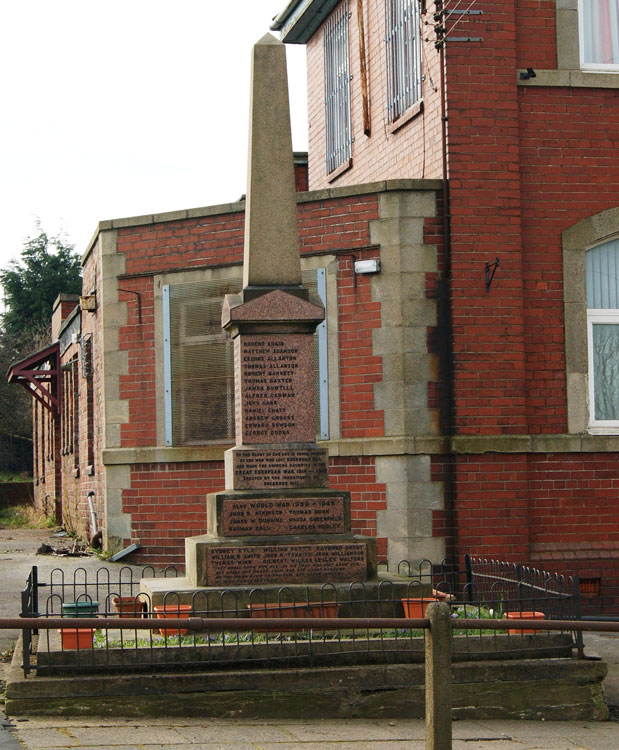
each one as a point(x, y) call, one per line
point(16, 493)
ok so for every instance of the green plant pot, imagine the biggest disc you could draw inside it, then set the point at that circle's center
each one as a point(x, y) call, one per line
point(84, 608)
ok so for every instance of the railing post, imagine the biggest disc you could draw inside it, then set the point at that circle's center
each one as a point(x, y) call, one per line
point(35, 594)
point(577, 613)
point(468, 570)
point(438, 677)
point(26, 633)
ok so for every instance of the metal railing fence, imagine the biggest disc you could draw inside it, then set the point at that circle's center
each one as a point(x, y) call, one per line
point(482, 590)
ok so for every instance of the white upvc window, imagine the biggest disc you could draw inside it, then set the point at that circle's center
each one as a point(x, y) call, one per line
point(602, 275)
point(599, 35)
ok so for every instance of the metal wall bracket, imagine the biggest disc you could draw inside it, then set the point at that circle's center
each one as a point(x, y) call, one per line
point(490, 271)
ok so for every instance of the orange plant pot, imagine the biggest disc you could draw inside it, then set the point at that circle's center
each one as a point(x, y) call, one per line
point(73, 639)
point(294, 610)
point(128, 606)
point(415, 608)
point(524, 616)
point(173, 611)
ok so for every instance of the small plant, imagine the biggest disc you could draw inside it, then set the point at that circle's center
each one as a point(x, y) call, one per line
point(476, 612)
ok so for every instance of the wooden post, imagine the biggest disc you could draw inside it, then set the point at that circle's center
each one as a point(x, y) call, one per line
point(438, 677)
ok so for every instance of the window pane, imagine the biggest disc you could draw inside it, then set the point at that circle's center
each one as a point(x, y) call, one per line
point(606, 371)
point(602, 271)
point(600, 32)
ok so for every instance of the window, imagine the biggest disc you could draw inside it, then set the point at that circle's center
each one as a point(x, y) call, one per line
point(599, 34)
point(602, 280)
point(199, 361)
point(337, 90)
point(403, 46)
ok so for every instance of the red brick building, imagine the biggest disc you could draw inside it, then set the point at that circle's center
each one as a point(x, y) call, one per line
point(467, 384)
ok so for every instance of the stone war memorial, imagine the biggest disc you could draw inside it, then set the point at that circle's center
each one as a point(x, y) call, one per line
point(276, 521)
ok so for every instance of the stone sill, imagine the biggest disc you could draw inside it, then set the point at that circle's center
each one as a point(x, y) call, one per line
point(406, 117)
point(389, 446)
point(571, 78)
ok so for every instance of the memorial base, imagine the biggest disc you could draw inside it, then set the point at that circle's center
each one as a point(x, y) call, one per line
point(215, 561)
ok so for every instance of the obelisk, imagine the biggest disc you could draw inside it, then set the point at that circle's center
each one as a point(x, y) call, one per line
point(277, 521)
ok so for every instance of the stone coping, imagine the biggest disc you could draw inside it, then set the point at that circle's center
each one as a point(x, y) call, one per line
point(382, 186)
point(388, 446)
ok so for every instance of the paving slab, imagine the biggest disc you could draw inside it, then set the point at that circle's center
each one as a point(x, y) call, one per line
point(233, 732)
point(228, 734)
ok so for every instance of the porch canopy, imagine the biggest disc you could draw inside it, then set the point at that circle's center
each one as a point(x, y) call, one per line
point(39, 375)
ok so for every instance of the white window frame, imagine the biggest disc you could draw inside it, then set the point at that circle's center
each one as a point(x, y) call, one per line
point(592, 66)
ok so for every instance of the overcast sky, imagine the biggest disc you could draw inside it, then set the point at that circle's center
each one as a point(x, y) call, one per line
point(126, 107)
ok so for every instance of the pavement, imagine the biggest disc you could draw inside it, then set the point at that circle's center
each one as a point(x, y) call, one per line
point(18, 554)
point(230, 734)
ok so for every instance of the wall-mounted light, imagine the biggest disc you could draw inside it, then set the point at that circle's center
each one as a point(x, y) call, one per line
point(367, 266)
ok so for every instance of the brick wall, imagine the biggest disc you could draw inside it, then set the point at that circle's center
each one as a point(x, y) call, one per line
point(412, 151)
point(168, 503)
point(357, 475)
point(557, 510)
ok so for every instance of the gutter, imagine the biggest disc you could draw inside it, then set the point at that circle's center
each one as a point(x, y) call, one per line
point(300, 19)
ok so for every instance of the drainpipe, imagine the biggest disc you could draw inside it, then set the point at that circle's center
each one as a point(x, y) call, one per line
point(93, 515)
point(448, 416)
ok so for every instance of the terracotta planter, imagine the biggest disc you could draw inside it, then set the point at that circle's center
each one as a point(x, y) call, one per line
point(288, 609)
point(129, 606)
point(80, 638)
point(173, 611)
point(524, 616)
point(415, 607)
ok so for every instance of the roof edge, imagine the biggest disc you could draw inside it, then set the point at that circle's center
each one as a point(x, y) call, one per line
point(300, 19)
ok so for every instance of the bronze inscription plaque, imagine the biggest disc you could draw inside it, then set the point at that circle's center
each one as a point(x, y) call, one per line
point(274, 389)
point(307, 515)
point(259, 468)
point(290, 563)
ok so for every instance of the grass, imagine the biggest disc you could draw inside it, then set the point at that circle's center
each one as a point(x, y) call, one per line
point(24, 517)
point(7, 476)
